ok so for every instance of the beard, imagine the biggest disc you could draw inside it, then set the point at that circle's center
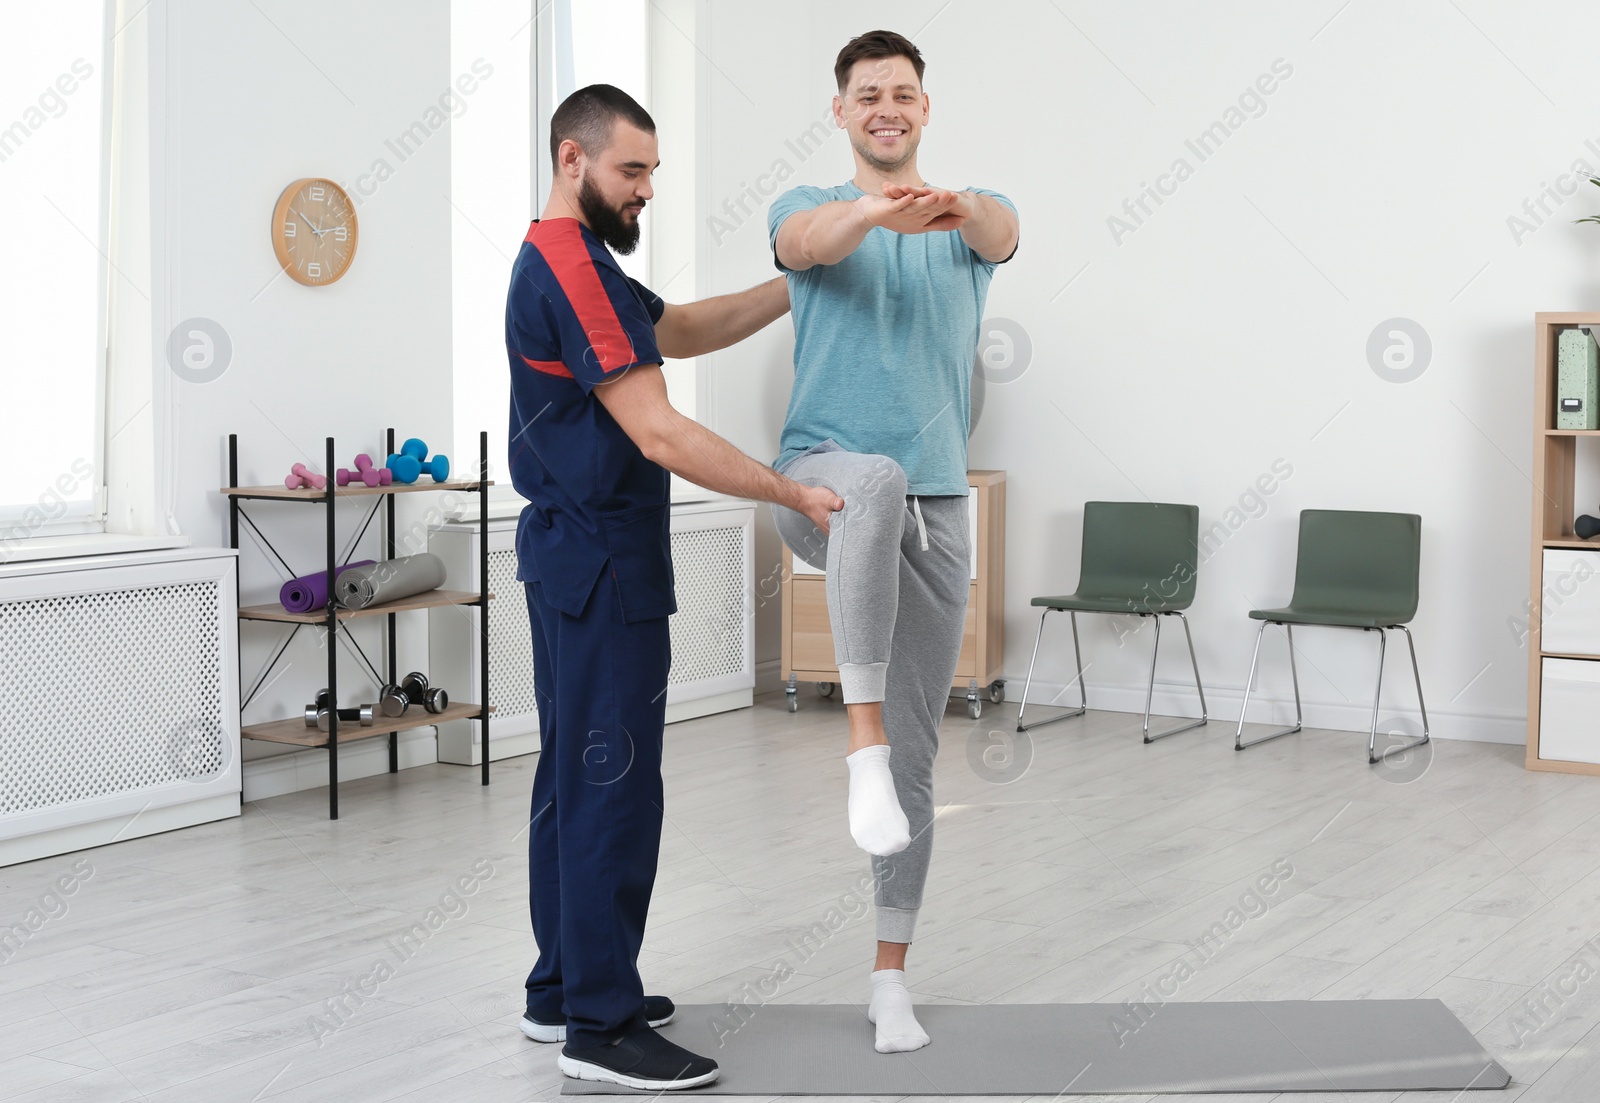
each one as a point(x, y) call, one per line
point(608, 223)
point(871, 156)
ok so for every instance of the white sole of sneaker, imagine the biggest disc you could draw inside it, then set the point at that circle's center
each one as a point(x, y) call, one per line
point(541, 1032)
point(583, 1070)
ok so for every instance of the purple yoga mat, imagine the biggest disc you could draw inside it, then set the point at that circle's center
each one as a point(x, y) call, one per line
point(310, 591)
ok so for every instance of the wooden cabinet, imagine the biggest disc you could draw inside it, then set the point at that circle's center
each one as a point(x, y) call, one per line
point(808, 636)
point(1563, 648)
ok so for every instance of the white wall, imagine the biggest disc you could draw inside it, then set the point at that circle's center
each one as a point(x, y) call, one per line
point(1178, 357)
point(259, 95)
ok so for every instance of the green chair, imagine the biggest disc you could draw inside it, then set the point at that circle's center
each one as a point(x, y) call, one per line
point(1353, 570)
point(1138, 560)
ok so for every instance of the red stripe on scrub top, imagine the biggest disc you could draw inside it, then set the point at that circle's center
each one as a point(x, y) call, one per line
point(574, 269)
point(549, 367)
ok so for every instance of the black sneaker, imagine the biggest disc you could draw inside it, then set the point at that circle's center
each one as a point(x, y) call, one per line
point(658, 1011)
point(641, 1058)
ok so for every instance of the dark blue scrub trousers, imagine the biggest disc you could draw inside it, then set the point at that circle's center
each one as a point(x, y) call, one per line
point(597, 809)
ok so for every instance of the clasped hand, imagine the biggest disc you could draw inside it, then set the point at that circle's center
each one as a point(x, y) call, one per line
point(908, 210)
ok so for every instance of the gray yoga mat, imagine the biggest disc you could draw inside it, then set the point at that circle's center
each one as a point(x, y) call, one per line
point(1048, 1049)
point(389, 580)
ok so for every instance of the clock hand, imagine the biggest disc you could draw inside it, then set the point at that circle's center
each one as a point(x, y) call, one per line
point(307, 221)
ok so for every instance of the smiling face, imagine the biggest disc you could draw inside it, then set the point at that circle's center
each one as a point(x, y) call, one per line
point(883, 108)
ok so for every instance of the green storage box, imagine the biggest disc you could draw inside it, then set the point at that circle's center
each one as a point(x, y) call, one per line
point(1577, 380)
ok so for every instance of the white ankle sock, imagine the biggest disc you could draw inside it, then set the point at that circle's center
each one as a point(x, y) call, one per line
point(876, 822)
point(891, 1012)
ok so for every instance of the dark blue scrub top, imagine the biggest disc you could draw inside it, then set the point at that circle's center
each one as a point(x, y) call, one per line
point(575, 321)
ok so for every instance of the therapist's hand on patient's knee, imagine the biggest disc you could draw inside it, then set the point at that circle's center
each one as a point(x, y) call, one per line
point(819, 504)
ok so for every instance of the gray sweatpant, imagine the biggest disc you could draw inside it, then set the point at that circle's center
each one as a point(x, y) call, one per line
point(898, 575)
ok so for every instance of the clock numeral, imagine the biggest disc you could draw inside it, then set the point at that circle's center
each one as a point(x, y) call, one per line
point(288, 229)
point(314, 270)
point(318, 193)
point(342, 234)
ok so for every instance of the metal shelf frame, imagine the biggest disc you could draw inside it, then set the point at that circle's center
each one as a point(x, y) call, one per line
point(332, 616)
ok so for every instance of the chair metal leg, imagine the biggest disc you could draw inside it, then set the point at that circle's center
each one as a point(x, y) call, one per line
point(1373, 758)
point(1377, 695)
point(1149, 692)
point(1082, 693)
point(1238, 739)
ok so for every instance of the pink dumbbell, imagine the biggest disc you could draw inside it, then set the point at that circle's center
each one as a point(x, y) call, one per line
point(299, 476)
point(372, 476)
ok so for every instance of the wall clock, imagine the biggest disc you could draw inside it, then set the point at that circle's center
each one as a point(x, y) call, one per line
point(314, 231)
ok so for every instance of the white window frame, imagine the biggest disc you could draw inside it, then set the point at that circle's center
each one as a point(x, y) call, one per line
point(83, 518)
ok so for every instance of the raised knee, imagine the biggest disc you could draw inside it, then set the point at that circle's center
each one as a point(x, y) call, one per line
point(882, 478)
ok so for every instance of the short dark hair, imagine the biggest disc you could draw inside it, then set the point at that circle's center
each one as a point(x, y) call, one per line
point(875, 44)
point(587, 117)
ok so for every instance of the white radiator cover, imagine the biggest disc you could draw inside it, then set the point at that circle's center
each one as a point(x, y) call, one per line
point(713, 632)
point(119, 698)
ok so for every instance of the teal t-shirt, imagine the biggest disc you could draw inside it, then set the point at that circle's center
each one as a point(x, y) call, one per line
point(884, 344)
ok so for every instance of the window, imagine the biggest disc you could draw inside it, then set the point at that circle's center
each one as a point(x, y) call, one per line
point(499, 172)
point(53, 268)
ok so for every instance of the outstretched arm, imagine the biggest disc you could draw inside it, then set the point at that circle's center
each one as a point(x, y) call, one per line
point(829, 233)
point(989, 227)
point(638, 402)
point(716, 323)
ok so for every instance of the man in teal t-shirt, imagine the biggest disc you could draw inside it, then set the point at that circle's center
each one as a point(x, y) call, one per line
point(887, 281)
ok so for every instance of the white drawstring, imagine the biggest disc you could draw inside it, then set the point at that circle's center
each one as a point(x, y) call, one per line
point(922, 527)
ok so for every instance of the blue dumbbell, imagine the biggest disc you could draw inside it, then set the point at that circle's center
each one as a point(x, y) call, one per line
point(414, 460)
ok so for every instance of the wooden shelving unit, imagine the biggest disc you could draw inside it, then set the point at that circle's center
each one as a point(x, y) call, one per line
point(433, 599)
point(1554, 509)
point(293, 730)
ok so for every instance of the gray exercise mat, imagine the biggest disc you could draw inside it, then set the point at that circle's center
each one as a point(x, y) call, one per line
point(1047, 1049)
point(390, 580)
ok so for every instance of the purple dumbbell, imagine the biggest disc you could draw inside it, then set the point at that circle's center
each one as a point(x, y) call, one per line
point(372, 476)
point(300, 476)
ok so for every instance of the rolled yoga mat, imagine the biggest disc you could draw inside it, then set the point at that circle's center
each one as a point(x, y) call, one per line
point(310, 591)
point(390, 580)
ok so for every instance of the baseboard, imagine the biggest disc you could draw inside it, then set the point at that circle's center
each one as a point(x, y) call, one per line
point(769, 676)
point(1223, 705)
point(463, 747)
point(1176, 699)
point(705, 706)
point(276, 775)
point(82, 836)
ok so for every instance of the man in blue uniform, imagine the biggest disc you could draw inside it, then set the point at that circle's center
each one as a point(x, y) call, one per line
point(593, 438)
point(888, 276)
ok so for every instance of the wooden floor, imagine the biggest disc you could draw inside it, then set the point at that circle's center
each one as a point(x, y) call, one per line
point(268, 957)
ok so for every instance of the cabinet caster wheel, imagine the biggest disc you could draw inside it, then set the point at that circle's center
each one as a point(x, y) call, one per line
point(793, 703)
point(974, 708)
point(825, 689)
point(997, 691)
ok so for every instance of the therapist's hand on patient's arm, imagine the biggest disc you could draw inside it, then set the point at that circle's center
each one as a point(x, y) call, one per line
point(637, 400)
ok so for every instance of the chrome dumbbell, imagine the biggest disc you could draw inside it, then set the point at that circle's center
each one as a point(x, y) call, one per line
point(412, 690)
point(316, 714)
